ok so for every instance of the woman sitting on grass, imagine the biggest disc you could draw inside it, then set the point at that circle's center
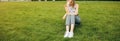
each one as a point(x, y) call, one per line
point(71, 14)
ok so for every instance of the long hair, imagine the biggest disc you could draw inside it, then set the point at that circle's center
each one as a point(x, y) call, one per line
point(72, 3)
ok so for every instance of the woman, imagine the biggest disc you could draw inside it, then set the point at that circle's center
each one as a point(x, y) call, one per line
point(71, 12)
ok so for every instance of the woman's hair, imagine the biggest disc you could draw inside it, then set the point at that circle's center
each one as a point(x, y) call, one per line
point(72, 3)
point(67, 0)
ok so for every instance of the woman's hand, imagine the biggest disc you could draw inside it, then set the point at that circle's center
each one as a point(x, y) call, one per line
point(76, 13)
point(64, 17)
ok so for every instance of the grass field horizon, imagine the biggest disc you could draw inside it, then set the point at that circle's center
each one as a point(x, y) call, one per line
point(42, 21)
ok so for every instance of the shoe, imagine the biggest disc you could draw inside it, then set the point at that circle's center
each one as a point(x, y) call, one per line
point(71, 34)
point(66, 34)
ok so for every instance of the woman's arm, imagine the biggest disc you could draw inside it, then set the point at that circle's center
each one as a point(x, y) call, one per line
point(76, 11)
point(64, 16)
point(66, 10)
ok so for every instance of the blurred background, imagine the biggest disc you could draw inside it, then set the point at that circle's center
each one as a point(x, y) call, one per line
point(54, 0)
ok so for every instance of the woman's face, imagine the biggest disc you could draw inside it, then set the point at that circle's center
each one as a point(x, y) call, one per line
point(69, 1)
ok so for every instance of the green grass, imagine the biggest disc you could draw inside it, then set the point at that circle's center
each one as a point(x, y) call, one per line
point(42, 21)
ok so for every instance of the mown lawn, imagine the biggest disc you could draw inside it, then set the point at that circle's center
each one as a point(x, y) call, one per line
point(42, 21)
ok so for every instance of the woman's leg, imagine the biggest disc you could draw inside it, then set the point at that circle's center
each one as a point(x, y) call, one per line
point(72, 23)
point(67, 22)
point(72, 26)
point(66, 32)
point(67, 26)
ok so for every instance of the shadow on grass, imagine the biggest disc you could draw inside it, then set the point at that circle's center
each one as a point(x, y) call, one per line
point(78, 26)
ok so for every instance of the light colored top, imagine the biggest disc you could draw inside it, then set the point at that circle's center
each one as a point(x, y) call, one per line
point(71, 10)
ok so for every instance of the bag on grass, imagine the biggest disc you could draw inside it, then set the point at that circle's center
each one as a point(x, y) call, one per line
point(77, 20)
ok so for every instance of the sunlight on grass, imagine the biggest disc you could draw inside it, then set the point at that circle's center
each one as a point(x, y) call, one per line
point(42, 21)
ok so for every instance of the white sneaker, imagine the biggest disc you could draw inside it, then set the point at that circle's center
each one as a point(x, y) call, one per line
point(71, 34)
point(66, 34)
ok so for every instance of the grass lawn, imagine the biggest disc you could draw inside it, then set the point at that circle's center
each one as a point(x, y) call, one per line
point(42, 21)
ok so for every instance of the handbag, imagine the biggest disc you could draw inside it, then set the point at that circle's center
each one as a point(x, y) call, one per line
point(77, 20)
